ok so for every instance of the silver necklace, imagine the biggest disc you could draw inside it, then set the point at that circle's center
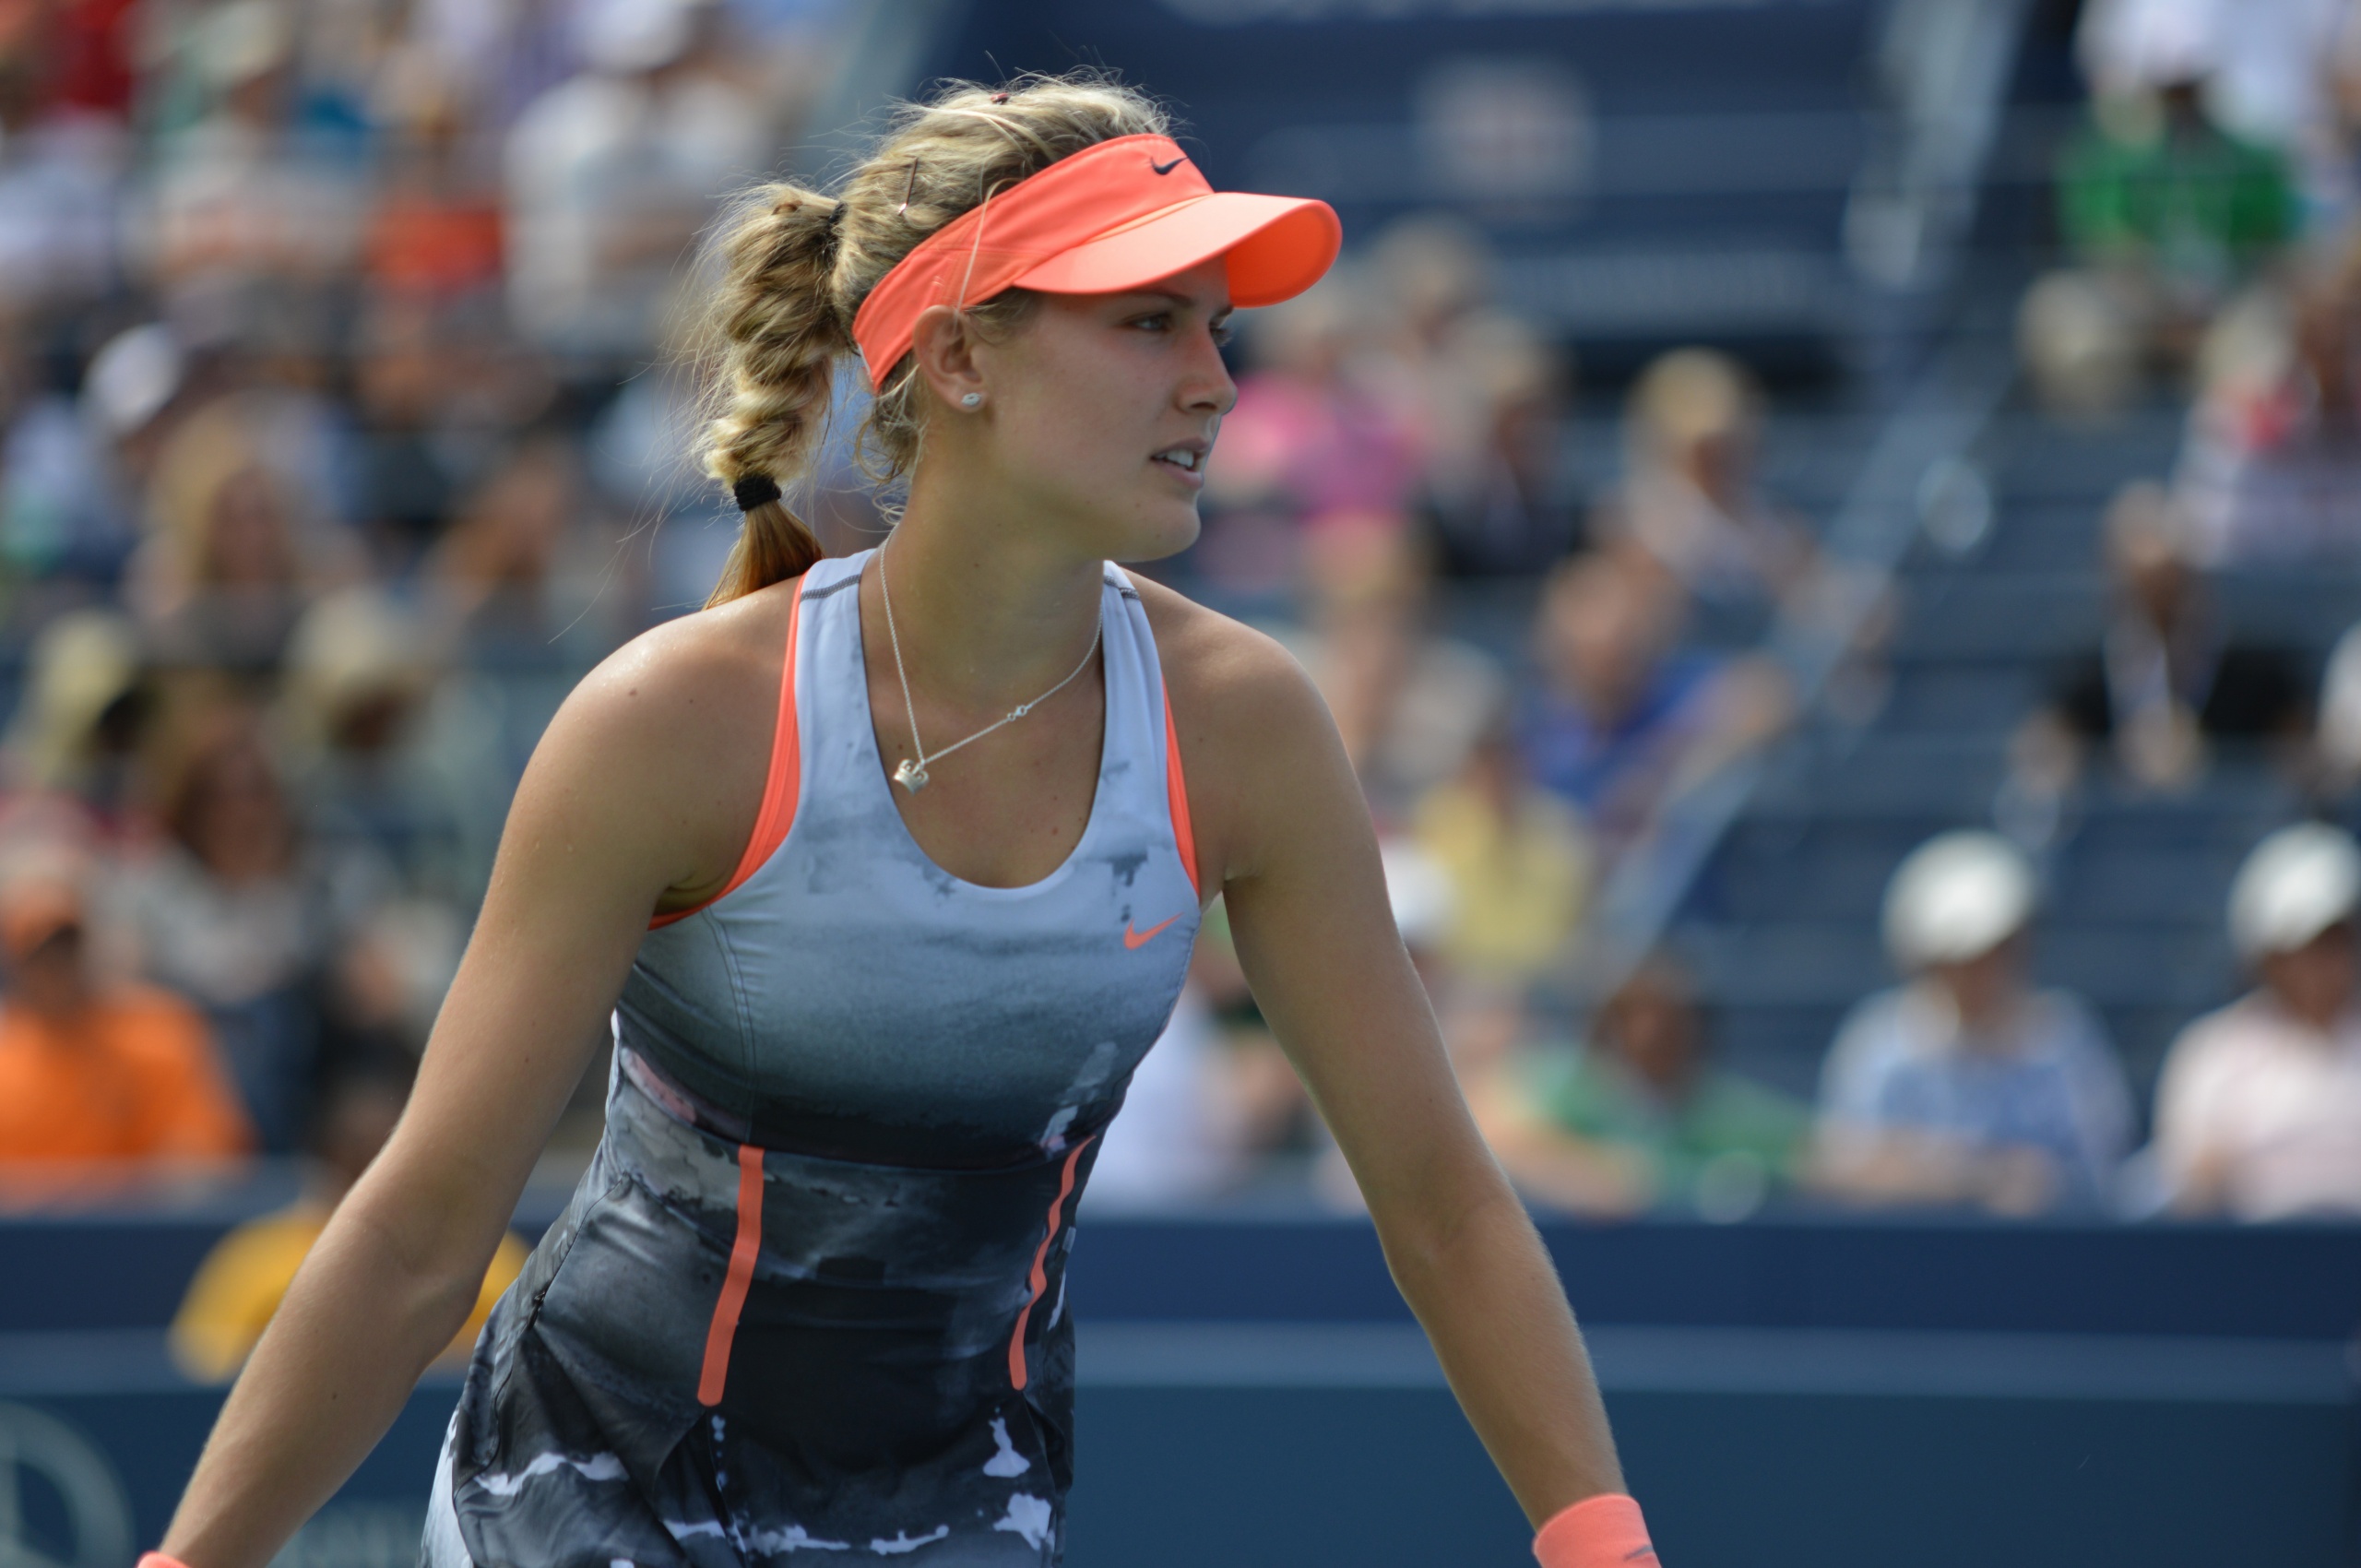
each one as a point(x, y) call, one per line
point(912, 775)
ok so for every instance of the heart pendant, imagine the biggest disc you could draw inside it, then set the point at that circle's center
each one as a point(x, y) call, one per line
point(911, 775)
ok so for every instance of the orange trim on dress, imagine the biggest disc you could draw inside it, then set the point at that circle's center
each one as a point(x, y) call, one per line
point(734, 1285)
point(1040, 1278)
point(1176, 790)
point(781, 784)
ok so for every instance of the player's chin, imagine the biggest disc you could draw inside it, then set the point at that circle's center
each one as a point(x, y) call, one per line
point(1162, 528)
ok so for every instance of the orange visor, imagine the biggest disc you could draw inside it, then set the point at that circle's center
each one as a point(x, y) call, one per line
point(1118, 215)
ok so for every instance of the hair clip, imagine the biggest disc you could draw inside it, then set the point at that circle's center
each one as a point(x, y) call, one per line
point(1000, 98)
point(983, 216)
point(907, 186)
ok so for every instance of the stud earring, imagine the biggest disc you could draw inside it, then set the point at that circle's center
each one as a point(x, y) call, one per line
point(971, 399)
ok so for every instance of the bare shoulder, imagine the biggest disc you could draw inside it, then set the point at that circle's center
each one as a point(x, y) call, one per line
point(1222, 672)
point(690, 677)
point(1258, 745)
point(668, 740)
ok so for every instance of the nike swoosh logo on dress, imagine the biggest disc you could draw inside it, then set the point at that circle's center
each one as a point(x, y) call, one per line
point(1166, 168)
point(1138, 938)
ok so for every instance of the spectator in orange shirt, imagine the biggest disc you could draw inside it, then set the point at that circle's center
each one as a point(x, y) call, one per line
point(92, 1072)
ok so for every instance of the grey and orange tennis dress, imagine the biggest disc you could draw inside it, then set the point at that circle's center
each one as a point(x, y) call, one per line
point(807, 1302)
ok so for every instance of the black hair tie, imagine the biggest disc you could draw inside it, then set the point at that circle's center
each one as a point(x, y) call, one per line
point(754, 490)
point(835, 219)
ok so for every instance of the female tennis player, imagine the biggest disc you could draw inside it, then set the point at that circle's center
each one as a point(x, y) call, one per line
point(888, 869)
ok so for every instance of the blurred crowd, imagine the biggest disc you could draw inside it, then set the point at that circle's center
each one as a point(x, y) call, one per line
point(2208, 227)
point(1530, 676)
point(334, 439)
point(2208, 214)
point(335, 444)
point(1966, 1085)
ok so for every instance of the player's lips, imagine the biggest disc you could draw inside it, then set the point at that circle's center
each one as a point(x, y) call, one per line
point(1186, 459)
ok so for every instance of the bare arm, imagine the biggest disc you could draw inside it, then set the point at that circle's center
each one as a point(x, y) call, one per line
point(1307, 901)
point(634, 791)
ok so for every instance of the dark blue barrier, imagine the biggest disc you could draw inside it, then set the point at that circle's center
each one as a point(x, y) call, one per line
point(2300, 1282)
point(127, 1269)
point(1245, 1446)
point(1865, 1392)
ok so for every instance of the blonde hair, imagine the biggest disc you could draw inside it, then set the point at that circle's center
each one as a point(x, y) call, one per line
point(1685, 397)
point(795, 266)
point(218, 446)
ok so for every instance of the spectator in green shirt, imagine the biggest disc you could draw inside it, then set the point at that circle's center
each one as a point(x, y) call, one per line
point(2165, 217)
point(2167, 190)
point(1639, 1117)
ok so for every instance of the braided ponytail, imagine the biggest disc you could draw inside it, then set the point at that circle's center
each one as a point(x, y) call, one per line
point(779, 337)
point(795, 266)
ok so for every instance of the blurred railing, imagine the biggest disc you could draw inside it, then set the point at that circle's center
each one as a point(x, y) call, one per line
point(1918, 466)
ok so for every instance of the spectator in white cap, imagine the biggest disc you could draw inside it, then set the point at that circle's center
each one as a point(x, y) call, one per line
point(76, 466)
point(1966, 1085)
point(613, 173)
point(2259, 1110)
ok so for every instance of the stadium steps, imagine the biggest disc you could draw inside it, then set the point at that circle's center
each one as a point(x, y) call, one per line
point(1782, 926)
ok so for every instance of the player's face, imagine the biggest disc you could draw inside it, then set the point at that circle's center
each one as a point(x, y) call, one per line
point(1105, 407)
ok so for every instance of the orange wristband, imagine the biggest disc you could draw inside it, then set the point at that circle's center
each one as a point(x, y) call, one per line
point(157, 1560)
point(1604, 1531)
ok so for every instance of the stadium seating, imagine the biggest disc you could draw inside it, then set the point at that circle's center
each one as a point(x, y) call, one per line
point(1647, 172)
point(1784, 919)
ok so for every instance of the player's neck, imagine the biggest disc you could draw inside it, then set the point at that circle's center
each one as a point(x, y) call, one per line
point(993, 612)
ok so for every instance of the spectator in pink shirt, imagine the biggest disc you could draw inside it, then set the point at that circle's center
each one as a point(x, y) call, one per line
point(1311, 435)
point(2258, 1111)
